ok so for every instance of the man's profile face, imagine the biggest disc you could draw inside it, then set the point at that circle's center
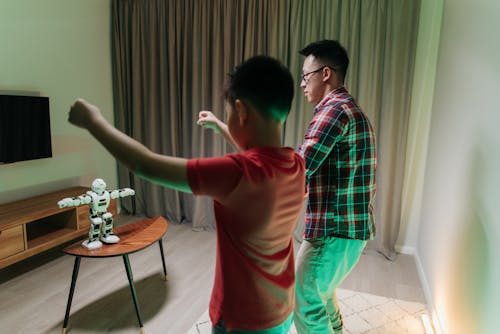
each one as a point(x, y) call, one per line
point(312, 79)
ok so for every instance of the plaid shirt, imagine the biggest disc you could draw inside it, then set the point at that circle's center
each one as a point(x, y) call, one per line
point(339, 151)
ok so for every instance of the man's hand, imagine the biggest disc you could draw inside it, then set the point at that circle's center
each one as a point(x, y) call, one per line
point(82, 113)
point(208, 120)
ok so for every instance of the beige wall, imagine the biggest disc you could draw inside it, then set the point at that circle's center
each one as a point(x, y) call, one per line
point(62, 49)
point(459, 232)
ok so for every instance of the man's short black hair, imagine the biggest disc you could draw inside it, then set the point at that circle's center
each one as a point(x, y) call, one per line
point(263, 82)
point(330, 53)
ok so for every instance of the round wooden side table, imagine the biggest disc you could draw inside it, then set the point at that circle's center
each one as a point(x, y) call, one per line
point(133, 237)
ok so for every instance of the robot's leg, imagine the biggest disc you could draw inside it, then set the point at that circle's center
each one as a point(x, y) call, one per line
point(95, 227)
point(107, 235)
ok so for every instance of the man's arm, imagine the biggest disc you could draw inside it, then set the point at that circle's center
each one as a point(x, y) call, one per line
point(208, 120)
point(322, 134)
point(168, 171)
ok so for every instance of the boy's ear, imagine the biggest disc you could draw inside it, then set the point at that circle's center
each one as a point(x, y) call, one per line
point(242, 110)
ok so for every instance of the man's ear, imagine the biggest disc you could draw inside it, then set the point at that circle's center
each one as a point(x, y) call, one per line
point(327, 73)
point(242, 111)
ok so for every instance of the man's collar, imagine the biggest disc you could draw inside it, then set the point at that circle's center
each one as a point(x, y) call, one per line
point(330, 95)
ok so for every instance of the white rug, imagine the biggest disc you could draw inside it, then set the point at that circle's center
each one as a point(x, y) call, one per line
point(362, 313)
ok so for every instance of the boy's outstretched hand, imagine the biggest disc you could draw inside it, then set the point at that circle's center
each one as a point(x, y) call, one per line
point(82, 113)
point(208, 120)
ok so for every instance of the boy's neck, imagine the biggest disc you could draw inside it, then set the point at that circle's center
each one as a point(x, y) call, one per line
point(267, 134)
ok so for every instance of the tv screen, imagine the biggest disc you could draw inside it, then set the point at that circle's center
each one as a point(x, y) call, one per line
point(24, 128)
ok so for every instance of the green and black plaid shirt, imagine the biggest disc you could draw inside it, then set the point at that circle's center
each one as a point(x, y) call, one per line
point(339, 151)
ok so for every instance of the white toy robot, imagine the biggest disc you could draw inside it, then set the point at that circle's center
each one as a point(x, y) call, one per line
point(101, 221)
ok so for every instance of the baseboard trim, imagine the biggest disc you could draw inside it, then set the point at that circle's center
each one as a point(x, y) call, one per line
point(434, 317)
point(407, 250)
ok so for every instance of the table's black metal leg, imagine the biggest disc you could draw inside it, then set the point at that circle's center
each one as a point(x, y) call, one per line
point(163, 258)
point(132, 289)
point(76, 267)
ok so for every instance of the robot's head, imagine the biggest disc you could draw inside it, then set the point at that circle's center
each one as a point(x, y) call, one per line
point(98, 186)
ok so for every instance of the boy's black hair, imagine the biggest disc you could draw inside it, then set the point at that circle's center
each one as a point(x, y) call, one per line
point(263, 82)
point(330, 53)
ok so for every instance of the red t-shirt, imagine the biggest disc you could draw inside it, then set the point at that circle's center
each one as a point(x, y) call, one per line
point(258, 196)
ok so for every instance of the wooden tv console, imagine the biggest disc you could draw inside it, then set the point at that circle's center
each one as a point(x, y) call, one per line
point(33, 225)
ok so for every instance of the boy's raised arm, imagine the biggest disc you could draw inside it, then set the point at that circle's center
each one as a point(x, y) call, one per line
point(207, 119)
point(168, 171)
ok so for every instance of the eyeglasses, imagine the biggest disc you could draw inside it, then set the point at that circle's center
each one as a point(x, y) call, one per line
point(304, 76)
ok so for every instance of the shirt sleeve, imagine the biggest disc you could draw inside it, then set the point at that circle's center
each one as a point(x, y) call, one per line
point(325, 130)
point(214, 177)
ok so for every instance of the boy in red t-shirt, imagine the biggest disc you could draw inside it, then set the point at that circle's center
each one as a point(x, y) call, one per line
point(258, 195)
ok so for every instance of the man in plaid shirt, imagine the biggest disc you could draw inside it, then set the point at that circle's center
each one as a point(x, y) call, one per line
point(340, 157)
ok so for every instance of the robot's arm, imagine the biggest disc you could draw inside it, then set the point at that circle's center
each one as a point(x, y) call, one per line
point(122, 193)
point(74, 201)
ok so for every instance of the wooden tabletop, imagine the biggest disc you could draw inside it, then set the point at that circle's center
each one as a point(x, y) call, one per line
point(133, 237)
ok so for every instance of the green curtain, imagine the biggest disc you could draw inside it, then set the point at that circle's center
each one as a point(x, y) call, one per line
point(170, 58)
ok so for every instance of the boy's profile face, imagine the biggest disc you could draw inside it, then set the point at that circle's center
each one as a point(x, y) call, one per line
point(229, 113)
point(233, 122)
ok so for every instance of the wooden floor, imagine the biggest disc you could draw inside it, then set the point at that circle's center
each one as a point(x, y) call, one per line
point(33, 293)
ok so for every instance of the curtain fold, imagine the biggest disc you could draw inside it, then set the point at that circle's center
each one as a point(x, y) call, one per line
point(170, 58)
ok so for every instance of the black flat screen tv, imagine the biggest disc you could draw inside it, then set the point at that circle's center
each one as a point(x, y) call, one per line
point(24, 128)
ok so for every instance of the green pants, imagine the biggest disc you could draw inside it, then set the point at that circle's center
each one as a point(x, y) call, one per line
point(321, 265)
